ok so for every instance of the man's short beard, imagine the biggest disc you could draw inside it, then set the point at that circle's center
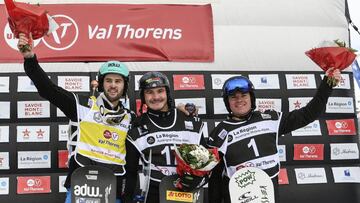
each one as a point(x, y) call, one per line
point(113, 99)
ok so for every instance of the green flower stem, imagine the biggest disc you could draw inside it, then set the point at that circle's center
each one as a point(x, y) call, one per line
point(24, 48)
point(331, 81)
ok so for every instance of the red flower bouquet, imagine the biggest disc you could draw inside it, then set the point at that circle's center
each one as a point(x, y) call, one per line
point(332, 54)
point(195, 160)
point(27, 18)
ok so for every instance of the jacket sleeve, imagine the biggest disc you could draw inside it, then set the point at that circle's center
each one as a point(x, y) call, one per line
point(307, 114)
point(203, 141)
point(132, 168)
point(217, 137)
point(56, 95)
point(215, 189)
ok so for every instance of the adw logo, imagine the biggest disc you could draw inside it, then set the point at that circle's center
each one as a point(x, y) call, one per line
point(65, 36)
point(85, 190)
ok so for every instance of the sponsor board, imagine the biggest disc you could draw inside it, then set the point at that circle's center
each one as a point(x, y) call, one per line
point(300, 81)
point(349, 174)
point(61, 184)
point(179, 196)
point(59, 113)
point(33, 133)
point(344, 151)
point(4, 161)
point(5, 110)
point(170, 194)
point(75, 83)
point(265, 81)
point(308, 151)
point(34, 159)
point(63, 132)
point(268, 104)
point(4, 134)
point(218, 80)
point(63, 158)
point(137, 79)
point(344, 81)
point(341, 127)
point(282, 152)
point(312, 129)
point(26, 85)
point(33, 109)
point(283, 177)
point(189, 82)
point(4, 185)
point(310, 175)
point(219, 106)
point(33, 184)
point(4, 84)
point(298, 102)
point(340, 105)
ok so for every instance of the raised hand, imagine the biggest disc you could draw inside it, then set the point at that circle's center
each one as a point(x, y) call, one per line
point(334, 76)
point(25, 45)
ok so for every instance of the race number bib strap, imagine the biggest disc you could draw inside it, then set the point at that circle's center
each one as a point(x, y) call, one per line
point(263, 163)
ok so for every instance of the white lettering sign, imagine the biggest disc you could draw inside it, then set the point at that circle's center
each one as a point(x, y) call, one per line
point(75, 83)
point(310, 175)
point(340, 105)
point(300, 81)
point(34, 159)
point(33, 109)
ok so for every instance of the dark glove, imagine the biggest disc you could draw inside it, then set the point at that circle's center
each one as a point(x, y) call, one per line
point(191, 108)
point(189, 182)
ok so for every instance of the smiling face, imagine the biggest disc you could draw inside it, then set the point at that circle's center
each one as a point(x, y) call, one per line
point(156, 99)
point(240, 103)
point(113, 87)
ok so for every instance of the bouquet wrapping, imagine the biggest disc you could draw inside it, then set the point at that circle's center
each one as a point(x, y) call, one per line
point(29, 19)
point(332, 55)
point(195, 159)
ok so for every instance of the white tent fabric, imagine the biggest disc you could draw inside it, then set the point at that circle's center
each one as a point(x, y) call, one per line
point(258, 35)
